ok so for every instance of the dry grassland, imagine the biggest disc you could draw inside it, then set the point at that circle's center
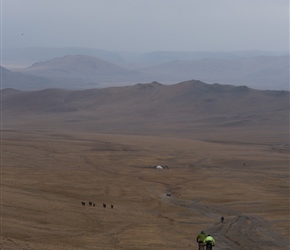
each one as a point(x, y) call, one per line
point(45, 175)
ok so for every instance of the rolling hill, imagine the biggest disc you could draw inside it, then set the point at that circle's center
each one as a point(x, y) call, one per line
point(82, 71)
point(153, 108)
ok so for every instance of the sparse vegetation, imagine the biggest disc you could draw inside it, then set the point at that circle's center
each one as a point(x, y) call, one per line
point(51, 162)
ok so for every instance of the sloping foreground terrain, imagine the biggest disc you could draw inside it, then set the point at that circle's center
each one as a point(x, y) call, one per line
point(226, 150)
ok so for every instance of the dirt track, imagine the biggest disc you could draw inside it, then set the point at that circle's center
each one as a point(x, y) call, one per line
point(238, 232)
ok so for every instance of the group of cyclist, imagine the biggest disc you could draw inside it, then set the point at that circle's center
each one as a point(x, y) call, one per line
point(207, 241)
point(204, 240)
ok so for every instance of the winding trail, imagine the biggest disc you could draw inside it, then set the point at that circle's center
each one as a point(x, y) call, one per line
point(238, 232)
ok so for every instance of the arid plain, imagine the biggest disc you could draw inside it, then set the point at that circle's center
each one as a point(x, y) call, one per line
point(226, 148)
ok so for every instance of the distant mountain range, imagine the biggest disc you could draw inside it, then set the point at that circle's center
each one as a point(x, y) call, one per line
point(262, 72)
point(183, 96)
point(18, 80)
point(84, 71)
point(80, 71)
point(31, 55)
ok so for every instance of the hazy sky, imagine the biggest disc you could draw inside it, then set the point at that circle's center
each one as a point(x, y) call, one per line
point(147, 25)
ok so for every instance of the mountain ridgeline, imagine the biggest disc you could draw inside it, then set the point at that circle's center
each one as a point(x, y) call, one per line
point(86, 71)
point(151, 107)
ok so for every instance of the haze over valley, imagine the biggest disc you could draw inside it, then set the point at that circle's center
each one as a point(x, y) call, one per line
point(80, 131)
point(136, 125)
point(80, 68)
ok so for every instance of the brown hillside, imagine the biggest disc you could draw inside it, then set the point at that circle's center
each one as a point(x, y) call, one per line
point(154, 108)
point(225, 148)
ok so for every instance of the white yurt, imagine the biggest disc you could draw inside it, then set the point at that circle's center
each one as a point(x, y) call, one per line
point(159, 167)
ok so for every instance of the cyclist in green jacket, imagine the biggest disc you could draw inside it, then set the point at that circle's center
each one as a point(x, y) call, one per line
point(209, 242)
point(199, 239)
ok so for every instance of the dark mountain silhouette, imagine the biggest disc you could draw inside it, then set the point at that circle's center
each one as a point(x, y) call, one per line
point(182, 97)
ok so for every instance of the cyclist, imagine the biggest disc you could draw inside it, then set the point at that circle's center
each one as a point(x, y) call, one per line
point(199, 239)
point(209, 242)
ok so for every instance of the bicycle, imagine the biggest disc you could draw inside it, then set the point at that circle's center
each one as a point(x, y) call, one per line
point(209, 246)
point(200, 246)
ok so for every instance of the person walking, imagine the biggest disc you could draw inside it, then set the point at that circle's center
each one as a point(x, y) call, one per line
point(199, 239)
point(209, 242)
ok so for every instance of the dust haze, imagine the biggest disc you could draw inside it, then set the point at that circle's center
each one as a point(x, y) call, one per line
point(96, 94)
